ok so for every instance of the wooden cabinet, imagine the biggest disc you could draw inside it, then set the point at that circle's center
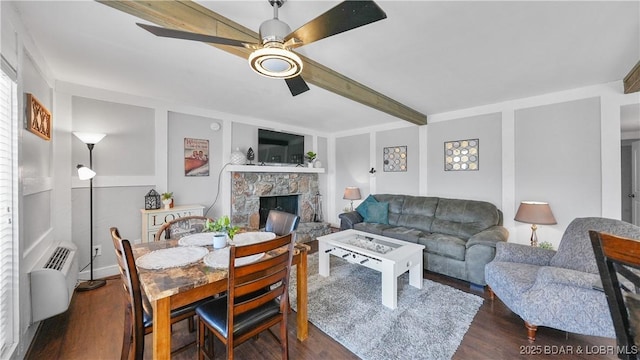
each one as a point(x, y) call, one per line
point(152, 220)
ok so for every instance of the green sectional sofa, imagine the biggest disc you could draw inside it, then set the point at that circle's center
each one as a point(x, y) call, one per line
point(459, 236)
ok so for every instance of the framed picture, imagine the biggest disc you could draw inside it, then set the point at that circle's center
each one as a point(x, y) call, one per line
point(394, 158)
point(462, 155)
point(196, 157)
point(39, 120)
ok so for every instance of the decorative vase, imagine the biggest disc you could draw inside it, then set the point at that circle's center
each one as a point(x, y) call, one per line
point(317, 164)
point(219, 240)
point(237, 157)
point(167, 203)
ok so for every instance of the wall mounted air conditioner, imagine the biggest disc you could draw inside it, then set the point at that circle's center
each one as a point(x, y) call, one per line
point(53, 281)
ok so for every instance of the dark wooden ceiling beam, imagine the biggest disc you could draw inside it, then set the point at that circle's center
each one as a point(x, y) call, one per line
point(632, 80)
point(190, 16)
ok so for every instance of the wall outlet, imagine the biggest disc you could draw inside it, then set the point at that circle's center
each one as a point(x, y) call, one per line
point(97, 250)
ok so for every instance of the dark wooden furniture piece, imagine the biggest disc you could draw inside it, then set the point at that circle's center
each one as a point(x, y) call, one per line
point(281, 223)
point(257, 298)
point(181, 226)
point(618, 260)
point(172, 288)
point(138, 312)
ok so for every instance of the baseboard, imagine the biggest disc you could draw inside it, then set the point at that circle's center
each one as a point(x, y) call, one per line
point(99, 273)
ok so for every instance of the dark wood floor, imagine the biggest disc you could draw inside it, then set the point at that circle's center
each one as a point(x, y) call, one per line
point(92, 329)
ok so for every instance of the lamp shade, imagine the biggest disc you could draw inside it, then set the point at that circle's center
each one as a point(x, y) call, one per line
point(89, 138)
point(84, 173)
point(352, 193)
point(535, 212)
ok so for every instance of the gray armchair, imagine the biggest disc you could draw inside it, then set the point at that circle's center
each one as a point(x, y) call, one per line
point(562, 289)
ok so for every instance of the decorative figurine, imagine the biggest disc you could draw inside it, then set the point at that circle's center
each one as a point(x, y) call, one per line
point(250, 156)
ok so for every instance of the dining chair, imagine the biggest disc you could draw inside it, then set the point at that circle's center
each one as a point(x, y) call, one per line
point(281, 223)
point(181, 226)
point(618, 260)
point(138, 316)
point(256, 300)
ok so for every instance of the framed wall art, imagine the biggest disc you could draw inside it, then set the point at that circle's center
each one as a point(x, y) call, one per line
point(394, 158)
point(462, 155)
point(39, 120)
point(196, 157)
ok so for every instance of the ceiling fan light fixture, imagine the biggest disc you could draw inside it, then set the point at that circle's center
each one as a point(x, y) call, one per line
point(275, 62)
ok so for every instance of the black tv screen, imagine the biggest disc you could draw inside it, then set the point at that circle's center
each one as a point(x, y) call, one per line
point(276, 147)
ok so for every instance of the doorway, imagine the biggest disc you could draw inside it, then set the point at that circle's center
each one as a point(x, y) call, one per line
point(630, 163)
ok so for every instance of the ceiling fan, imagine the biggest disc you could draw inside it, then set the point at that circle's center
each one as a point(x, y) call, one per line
point(273, 57)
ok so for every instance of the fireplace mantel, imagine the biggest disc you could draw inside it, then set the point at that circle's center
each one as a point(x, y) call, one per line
point(273, 169)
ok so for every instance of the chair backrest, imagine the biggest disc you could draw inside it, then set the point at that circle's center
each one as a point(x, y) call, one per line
point(618, 260)
point(181, 226)
point(281, 223)
point(131, 282)
point(260, 282)
point(575, 251)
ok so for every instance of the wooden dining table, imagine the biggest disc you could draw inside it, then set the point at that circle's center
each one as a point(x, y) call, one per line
point(174, 287)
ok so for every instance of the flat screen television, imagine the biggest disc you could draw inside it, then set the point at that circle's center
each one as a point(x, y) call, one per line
point(276, 147)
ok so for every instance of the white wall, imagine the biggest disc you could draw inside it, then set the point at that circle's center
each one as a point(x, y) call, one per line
point(127, 150)
point(516, 132)
point(36, 208)
point(401, 182)
point(189, 190)
point(482, 184)
point(352, 159)
point(558, 161)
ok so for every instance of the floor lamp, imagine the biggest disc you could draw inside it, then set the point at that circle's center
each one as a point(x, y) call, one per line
point(85, 173)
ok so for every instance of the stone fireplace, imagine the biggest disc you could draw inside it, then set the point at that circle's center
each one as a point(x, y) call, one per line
point(248, 187)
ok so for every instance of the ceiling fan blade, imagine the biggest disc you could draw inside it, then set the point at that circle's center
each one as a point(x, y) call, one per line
point(297, 85)
point(343, 17)
point(185, 35)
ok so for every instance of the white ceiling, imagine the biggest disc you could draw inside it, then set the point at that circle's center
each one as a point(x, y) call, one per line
point(431, 56)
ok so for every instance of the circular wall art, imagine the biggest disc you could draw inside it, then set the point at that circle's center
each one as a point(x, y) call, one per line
point(461, 155)
point(394, 158)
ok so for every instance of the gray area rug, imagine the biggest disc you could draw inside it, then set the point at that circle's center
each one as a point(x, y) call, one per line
point(429, 323)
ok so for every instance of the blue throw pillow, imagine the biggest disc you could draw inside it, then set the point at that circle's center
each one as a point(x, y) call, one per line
point(362, 208)
point(378, 213)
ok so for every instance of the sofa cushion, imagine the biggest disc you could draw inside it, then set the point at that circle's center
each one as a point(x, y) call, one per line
point(403, 233)
point(395, 205)
point(377, 213)
point(464, 218)
point(362, 208)
point(444, 245)
point(420, 205)
point(417, 212)
point(371, 227)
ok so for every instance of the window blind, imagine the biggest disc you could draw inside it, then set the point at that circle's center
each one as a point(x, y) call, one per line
point(8, 195)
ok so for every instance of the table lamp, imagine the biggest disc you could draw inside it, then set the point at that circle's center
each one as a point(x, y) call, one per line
point(535, 212)
point(352, 193)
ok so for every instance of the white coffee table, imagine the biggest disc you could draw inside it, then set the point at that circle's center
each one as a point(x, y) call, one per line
point(390, 257)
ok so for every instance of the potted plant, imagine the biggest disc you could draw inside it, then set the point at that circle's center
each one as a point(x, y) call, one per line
point(167, 199)
point(311, 156)
point(221, 229)
point(546, 245)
